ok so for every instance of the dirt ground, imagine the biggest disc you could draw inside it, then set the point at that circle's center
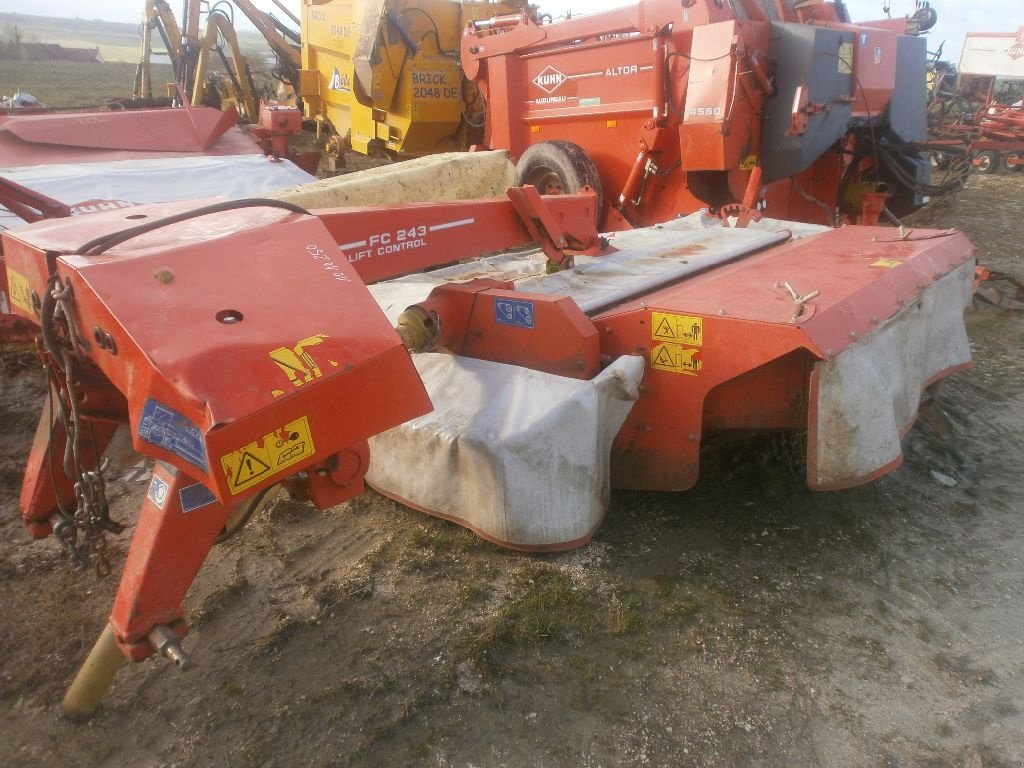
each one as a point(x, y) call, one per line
point(748, 622)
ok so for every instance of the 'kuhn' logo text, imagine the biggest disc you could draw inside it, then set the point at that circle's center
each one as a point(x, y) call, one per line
point(1017, 49)
point(549, 79)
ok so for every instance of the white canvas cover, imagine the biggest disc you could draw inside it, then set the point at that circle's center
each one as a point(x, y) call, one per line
point(867, 397)
point(519, 456)
point(159, 180)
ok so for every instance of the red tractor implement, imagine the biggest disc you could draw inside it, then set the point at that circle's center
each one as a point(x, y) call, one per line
point(669, 107)
point(238, 344)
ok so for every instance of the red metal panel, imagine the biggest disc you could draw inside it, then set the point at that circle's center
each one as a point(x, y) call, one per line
point(387, 241)
point(658, 448)
point(168, 130)
point(874, 65)
point(18, 153)
point(504, 93)
point(537, 331)
point(606, 79)
point(719, 124)
point(212, 356)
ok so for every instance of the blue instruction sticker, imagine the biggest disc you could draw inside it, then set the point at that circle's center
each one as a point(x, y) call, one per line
point(194, 497)
point(168, 429)
point(158, 492)
point(514, 312)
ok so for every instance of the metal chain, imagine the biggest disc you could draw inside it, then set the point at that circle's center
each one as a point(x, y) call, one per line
point(83, 533)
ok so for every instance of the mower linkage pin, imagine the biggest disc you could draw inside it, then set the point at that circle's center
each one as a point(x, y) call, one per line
point(166, 643)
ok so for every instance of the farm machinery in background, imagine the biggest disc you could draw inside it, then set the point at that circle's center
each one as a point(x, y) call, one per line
point(664, 108)
point(271, 121)
point(670, 107)
point(976, 119)
point(190, 55)
point(980, 106)
point(992, 134)
point(384, 77)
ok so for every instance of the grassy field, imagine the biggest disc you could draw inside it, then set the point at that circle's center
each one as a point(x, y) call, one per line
point(118, 42)
point(67, 84)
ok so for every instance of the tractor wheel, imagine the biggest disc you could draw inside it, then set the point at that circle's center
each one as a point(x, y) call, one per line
point(987, 162)
point(1014, 161)
point(559, 168)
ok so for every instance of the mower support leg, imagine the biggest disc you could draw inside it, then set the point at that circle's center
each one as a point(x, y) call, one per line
point(177, 527)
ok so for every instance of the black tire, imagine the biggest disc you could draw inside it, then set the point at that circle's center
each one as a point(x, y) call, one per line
point(1014, 161)
point(559, 168)
point(925, 18)
point(987, 162)
point(938, 160)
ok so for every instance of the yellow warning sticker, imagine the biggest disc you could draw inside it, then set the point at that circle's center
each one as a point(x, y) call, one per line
point(296, 363)
point(846, 59)
point(21, 290)
point(676, 359)
point(679, 329)
point(748, 163)
point(887, 263)
point(263, 458)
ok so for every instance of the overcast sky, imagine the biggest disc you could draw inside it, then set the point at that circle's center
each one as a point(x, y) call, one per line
point(956, 17)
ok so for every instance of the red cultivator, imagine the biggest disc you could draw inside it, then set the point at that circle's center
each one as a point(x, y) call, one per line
point(994, 135)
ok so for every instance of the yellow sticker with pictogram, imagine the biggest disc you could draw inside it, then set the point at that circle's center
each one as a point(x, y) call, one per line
point(677, 359)
point(748, 163)
point(846, 59)
point(887, 263)
point(679, 329)
point(264, 458)
point(21, 290)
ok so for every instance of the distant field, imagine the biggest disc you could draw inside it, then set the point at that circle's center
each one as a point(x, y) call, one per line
point(67, 84)
point(118, 42)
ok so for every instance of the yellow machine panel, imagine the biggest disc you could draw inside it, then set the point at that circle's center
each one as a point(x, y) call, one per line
point(385, 74)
